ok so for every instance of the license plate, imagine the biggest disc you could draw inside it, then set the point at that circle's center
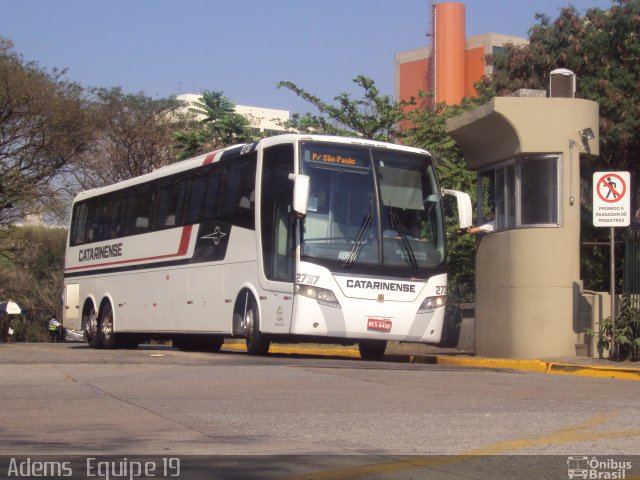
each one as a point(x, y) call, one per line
point(380, 324)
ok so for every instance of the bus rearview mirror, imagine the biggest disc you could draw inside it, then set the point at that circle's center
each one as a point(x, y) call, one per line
point(465, 210)
point(300, 193)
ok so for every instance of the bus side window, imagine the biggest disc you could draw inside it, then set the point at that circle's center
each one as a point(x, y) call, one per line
point(210, 201)
point(117, 212)
point(236, 205)
point(170, 203)
point(197, 195)
point(140, 208)
point(96, 220)
point(79, 224)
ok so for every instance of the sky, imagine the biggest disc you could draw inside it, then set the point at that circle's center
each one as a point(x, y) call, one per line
point(243, 47)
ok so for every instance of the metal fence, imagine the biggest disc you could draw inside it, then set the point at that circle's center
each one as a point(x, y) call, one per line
point(631, 266)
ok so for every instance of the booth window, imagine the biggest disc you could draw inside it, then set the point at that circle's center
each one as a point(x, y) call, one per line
point(523, 191)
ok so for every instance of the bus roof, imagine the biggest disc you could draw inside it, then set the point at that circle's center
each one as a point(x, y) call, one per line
point(215, 155)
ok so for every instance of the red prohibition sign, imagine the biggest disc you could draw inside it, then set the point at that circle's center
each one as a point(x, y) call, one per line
point(611, 188)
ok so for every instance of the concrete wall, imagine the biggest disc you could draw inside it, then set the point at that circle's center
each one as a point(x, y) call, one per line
point(528, 288)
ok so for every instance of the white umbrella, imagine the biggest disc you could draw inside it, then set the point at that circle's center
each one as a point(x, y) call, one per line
point(10, 308)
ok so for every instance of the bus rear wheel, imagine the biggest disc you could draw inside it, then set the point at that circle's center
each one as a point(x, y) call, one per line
point(257, 342)
point(372, 349)
point(90, 327)
point(105, 327)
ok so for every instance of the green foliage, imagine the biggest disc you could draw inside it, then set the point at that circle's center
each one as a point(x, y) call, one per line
point(31, 274)
point(218, 126)
point(189, 144)
point(374, 116)
point(626, 332)
point(25, 329)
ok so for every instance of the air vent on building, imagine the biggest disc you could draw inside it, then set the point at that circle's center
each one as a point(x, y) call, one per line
point(562, 83)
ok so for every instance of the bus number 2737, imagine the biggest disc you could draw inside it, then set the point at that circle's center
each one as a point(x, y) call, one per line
point(307, 279)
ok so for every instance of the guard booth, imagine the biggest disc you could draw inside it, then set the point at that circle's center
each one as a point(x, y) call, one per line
point(526, 150)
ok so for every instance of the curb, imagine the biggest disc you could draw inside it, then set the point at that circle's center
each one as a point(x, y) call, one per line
point(541, 366)
point(538, 366)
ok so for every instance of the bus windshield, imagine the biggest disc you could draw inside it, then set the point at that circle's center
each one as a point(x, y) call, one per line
point(371, 209)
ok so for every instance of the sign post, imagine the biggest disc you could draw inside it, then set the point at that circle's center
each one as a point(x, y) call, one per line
point(611, 208)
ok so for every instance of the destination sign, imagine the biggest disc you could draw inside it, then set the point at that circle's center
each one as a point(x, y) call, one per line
point(336, 157)
point(329, 158)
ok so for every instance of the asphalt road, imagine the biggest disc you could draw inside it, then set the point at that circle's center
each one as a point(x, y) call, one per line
point(66, 399)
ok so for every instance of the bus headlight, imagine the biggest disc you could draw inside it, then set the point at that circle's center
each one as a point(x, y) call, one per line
point(321, 295)
point(431, 303)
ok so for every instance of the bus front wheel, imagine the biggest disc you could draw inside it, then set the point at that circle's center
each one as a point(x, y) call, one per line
point(257, 342)
point(372, 349)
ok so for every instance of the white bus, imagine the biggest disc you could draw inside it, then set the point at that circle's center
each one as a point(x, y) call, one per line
point(292, 238)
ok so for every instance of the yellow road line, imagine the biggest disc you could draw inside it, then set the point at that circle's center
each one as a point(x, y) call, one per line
point(576, 433)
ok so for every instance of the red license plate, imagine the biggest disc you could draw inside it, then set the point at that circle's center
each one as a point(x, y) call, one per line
point(380, 324)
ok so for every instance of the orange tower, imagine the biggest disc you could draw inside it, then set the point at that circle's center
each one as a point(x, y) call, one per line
point(448, 54)
point(449, 67)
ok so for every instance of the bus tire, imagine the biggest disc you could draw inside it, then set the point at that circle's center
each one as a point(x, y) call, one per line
point(372, 349)
point(257, 342)
point(90, 327)
point(108, 337)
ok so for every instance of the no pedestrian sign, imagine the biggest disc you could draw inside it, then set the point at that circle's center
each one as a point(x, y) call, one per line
point(611, 199)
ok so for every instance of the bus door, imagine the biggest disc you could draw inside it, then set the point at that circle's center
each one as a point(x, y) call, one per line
point(276, 224)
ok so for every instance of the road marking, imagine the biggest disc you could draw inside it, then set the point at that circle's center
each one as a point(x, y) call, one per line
point(575, 433)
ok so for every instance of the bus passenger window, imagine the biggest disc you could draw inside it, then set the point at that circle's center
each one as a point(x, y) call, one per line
point(170, 205)
point(140, 205)
point(237, 199)
point(117, 211)
point(197, 194)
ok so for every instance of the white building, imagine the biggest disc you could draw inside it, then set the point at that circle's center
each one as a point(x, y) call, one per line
point(264, 120)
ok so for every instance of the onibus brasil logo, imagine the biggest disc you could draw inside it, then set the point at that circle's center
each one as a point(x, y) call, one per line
point(597, 468)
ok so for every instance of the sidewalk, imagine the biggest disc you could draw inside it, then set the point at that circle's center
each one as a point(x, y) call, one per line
point(422, 353)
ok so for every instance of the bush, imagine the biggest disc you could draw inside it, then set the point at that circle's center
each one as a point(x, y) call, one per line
point(626, 332)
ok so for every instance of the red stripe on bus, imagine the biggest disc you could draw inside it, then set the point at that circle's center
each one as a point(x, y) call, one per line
point(182, 250)
point(209, 158)
point(184, 240)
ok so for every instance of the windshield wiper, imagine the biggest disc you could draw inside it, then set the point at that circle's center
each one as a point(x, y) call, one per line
point(358, 240)
point(406, 246)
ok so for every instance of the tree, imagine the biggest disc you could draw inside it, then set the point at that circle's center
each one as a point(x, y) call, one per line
point(31, 273)
point(216, 125)
point(131, 136)
point(43, 129)
point(603, 49)
point(374, 116)
point(427, 129)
